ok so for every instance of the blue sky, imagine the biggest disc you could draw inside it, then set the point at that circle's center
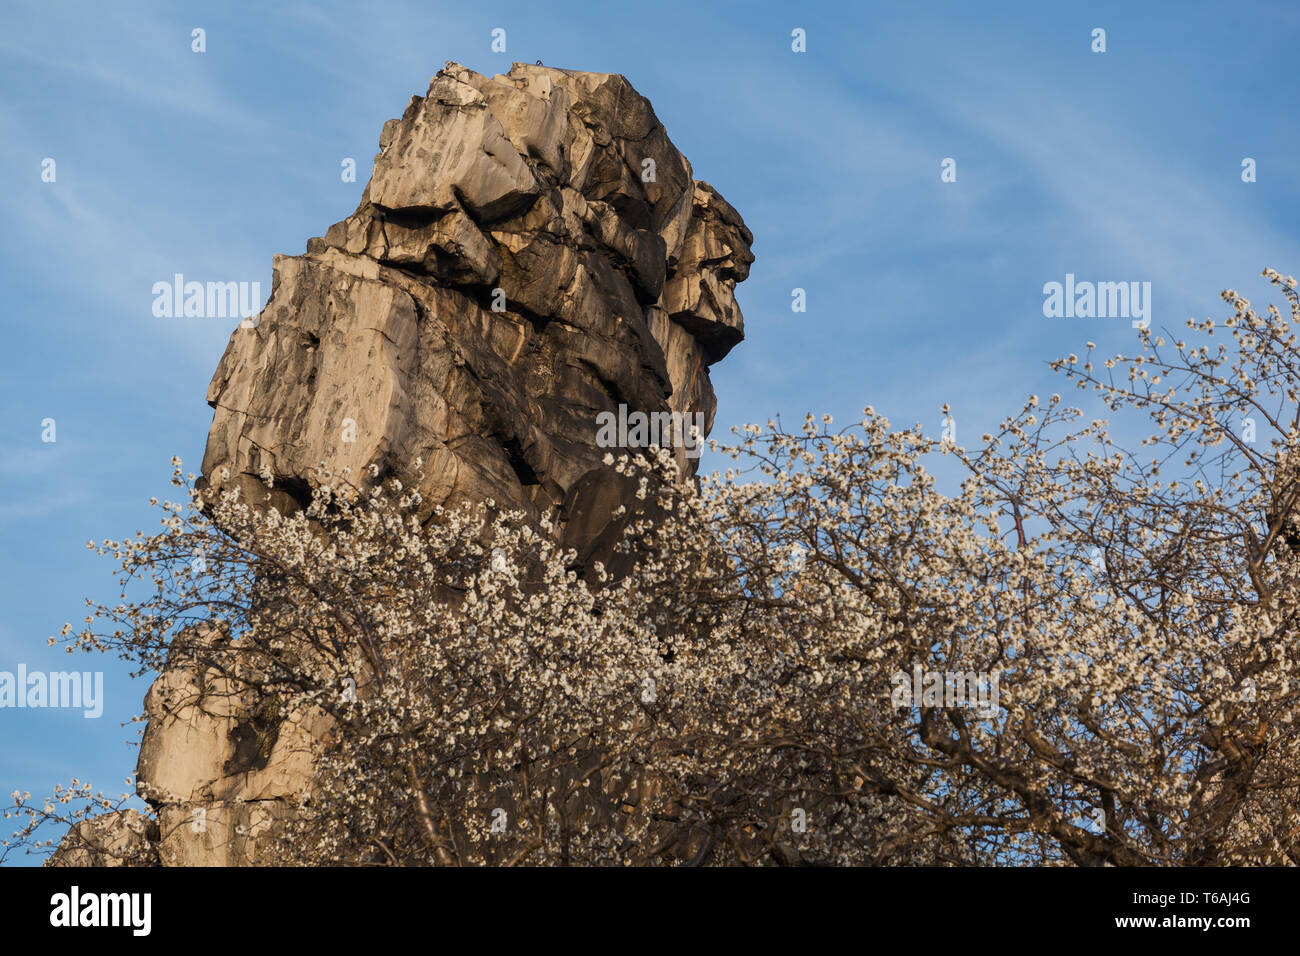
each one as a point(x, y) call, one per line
point(1115, 166)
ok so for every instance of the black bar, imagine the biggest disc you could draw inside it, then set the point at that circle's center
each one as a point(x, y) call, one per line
point(494, 906)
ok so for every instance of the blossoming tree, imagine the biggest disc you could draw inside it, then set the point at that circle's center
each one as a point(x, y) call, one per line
point(748, 692)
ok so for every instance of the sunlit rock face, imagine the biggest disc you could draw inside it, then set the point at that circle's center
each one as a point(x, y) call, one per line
point(531, 251)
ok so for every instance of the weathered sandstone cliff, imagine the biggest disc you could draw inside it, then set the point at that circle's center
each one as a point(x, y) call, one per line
point(531, 251)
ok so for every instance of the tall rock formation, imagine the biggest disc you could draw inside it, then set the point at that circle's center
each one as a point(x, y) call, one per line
point(531, 251)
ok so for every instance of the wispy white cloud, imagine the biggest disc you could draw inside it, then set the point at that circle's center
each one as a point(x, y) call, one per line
point(42, 506)
point(31, 459)
point(145, 58)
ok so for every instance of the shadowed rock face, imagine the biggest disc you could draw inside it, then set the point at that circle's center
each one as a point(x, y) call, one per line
point(531, 251)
